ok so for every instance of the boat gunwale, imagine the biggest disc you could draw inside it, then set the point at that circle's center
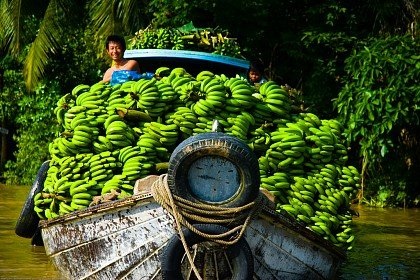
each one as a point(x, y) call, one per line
point(100, 208)
point(188, 54)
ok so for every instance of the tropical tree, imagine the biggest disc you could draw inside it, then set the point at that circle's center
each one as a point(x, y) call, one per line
point(57, 18)
point(379, 106)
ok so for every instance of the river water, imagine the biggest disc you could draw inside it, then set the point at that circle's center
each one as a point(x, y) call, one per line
point(387, 245)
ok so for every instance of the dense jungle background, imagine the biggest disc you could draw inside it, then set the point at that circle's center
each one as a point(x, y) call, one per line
point(358, 62)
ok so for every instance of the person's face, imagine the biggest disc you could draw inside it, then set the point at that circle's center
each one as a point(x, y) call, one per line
point(115, 50)
point(254, 76)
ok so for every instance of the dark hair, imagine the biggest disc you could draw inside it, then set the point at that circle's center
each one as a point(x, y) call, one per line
point(257, 65)
point(115, 39)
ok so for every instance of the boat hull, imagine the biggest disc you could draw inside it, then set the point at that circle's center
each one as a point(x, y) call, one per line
point(108, 242)
point(123, 240)
point(283, 253)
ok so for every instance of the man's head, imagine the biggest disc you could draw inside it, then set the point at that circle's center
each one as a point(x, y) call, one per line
point(115, 47)
point(116, 39)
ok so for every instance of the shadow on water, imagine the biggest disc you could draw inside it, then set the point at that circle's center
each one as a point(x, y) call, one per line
point(387, 245)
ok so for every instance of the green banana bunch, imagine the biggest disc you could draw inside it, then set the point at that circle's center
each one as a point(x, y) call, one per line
point(204, 74)
point(165, 135)
point(63, 104)
point(166, 93)
point(119, 133)
point(189, 92)
point(178, 39)
point(241, 125)
point(302, 159)
point(117, 98)
point(241, 93)
point(162, 71)
point(119, 184)
point(203, 124)
point(261, 137)
point(102, 167)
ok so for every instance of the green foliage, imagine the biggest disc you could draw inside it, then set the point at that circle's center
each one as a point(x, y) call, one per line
point(45, 43)
point(169, 13)
point(30, 114)
point(13, 88)
point(77, 61)
point(392, 188)
point(383, 93)
point(379, 106)
point(326, 52)
point(55, 20)
point(36, 128)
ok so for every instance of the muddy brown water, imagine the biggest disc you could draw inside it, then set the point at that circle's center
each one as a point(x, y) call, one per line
point(18, 258)
point(387, 244)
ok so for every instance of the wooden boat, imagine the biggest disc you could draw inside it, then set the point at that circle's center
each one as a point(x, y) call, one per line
point(125, 239)
point(129, 238)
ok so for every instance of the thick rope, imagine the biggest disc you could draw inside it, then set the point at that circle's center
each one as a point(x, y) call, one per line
point(183, 210)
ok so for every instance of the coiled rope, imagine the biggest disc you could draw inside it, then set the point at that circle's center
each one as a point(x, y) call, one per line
point(183, 211)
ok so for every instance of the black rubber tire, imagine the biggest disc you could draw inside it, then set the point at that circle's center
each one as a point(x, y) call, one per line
point(37, 238)
point(28, 220)
point(240, 254)
point(220, 145)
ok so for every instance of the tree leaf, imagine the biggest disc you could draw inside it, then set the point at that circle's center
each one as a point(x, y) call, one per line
point(371, 116)
point(384, 150)
point(10, 33)
point(389, 124)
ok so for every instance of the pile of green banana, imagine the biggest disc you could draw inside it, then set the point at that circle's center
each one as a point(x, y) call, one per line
point(203, 39)
point(302, 159)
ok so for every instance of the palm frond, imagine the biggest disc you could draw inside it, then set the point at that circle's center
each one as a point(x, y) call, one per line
point(10, 16)
point(116, 17)
point(46, 43)
point(103, 17)
point(4, 24)
point(132, 15)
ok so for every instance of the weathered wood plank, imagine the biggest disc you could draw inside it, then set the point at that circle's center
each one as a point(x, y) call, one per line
point(108, 242)
point(281, 252)
point(97, 225)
